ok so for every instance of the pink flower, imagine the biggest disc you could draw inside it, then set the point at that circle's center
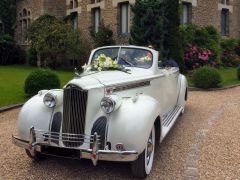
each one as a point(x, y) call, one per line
point(194, 48)
point(203, 57)
point(209, 52)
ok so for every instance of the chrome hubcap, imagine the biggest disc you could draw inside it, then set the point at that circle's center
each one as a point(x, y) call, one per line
point(149, 148)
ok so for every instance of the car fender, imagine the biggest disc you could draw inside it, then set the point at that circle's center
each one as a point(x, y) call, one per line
point(35, 113)
point(131, 124)
point(182, 97)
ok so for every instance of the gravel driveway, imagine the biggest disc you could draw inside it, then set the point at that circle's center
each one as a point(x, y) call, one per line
point(204, 144)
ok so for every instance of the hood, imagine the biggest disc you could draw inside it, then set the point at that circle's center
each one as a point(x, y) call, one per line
point(108, 78)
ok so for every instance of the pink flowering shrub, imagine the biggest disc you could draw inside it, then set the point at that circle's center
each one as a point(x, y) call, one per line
point(230, 56)
point(196, 57)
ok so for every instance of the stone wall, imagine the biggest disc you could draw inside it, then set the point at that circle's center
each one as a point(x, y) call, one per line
point(206, 13)
point(109, 14)
point(54, 7)
point(29, 10)
point(236, 19)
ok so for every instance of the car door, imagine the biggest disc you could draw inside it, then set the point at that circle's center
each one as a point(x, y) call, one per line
point(174, 86)
point(165, 88)
point(161, 90)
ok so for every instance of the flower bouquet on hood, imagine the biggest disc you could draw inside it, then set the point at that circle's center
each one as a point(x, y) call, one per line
point(104, 63)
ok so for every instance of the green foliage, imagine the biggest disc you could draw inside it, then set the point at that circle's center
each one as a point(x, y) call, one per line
point(172, 40)
point(50, 37)
point(148, 24)
point(238, 72)
point(228, 44)
point(10, 53)
point(230, 52)
point(8, 15)
point(6, 48)
point(188, 34)
point(41, 79)
point(206, 77)
point(32, 56)
point(104, 36)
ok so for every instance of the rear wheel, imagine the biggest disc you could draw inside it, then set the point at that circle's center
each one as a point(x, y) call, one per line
point(143, 165)
point(37, 156)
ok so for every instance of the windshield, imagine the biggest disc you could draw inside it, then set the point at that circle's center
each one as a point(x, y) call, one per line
point(127, 57)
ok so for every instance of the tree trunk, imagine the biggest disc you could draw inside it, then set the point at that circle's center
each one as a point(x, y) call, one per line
point(39, 63)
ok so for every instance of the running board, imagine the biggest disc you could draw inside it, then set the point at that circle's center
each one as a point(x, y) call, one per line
point(169, 120)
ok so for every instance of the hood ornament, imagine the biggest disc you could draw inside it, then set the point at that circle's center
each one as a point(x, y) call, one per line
point(76, 71)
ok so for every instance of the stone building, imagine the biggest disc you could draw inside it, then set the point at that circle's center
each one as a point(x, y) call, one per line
point(222, 14)
point(29, 10)
point(88, 14)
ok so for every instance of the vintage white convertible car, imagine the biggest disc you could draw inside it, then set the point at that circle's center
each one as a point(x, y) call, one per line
point(118, 109)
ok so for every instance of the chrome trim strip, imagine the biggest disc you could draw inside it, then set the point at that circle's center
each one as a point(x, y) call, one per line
point(131, 86)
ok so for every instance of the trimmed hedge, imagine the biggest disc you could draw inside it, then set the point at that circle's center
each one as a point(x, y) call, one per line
point(238, 72)
point(39, 80)
point(206, 77)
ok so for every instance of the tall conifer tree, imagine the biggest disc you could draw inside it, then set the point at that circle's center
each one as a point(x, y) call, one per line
point(148, 22)
point(172, 40)
point(8, 15)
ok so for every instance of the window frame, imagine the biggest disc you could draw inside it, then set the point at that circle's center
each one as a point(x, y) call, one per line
point(188, 7)
point(127, 32)
point(94, 10)
point(225, 22)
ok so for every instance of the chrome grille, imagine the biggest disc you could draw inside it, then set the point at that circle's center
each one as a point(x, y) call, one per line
point(74, 113)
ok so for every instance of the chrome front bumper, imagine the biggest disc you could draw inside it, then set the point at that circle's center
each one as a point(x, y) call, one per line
point(94, 154)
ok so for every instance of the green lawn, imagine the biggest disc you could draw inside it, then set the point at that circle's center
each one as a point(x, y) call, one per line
point(229, 77)
point(12, 80)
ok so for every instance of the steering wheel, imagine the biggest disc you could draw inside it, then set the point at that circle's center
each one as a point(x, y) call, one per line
point(126, 61)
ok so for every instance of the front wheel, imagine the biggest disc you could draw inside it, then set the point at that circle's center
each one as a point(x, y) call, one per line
point(37, 156)
point(143, 165)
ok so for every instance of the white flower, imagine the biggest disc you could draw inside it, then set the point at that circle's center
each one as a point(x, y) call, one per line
point(84, 67)
point(88, 69)
point(115, 62)
point(99, 69)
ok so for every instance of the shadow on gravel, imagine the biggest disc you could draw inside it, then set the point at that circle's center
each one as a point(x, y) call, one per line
point(80, 169)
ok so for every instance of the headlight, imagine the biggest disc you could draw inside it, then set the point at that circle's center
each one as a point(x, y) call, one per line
point(50, 100)
point(107, 105)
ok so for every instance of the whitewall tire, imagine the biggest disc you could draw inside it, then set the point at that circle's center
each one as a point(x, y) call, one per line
point(143, 165)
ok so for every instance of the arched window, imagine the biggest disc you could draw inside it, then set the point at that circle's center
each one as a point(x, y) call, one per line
point(75, 3)
point(24, 12)
point(24, 23)
point(71, 4)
